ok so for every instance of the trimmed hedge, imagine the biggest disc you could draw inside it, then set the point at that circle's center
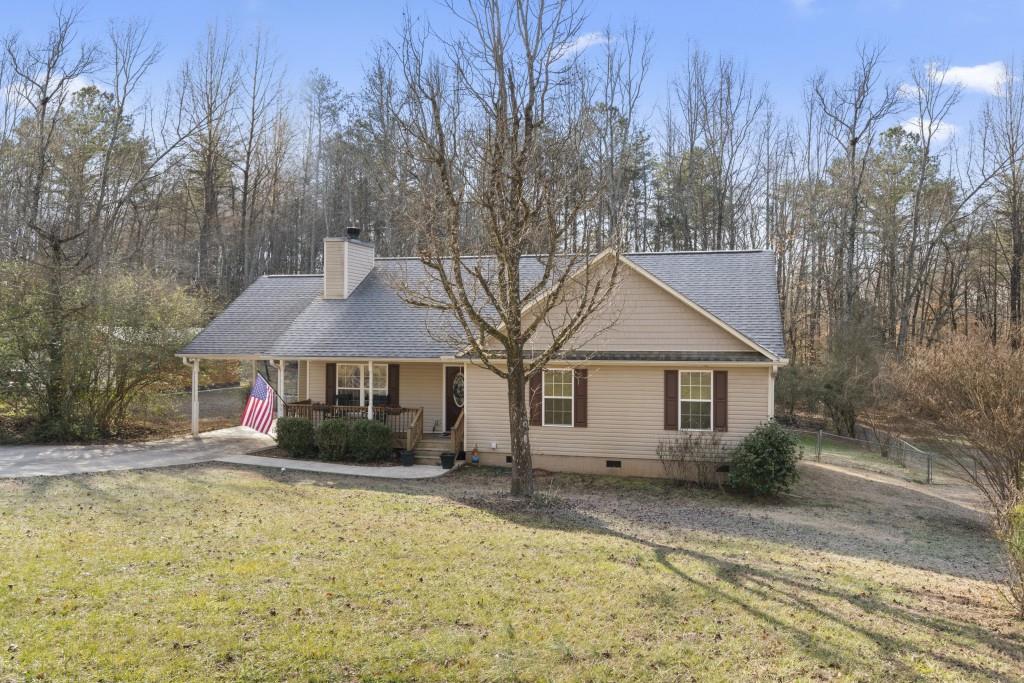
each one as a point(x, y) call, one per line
point(764, 463)
point(332, 438)
point(369, 441)
point(354, 440)
point(296, 436)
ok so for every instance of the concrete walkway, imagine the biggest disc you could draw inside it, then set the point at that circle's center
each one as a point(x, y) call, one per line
point(53, 460)
point(412, 472)
point(232, 445)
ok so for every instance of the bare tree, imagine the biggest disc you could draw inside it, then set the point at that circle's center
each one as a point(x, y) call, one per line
point(497, 129)
point(854, 111)
point(261, 91)
point(1004, 124)
point(207, 89)
point(44, 76)
point(971, 394)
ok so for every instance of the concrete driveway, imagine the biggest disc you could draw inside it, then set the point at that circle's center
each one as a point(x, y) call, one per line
point(36, 461)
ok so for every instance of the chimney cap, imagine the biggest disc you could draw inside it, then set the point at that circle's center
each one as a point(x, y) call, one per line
point(353, 232)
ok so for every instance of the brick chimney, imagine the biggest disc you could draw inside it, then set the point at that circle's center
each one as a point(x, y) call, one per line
point(347, 261)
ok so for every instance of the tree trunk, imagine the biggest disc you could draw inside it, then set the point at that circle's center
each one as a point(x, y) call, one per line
point(519, 430)
point(1016, 256)
point(55, 384)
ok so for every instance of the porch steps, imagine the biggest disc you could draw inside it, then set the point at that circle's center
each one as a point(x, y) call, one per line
point(430, 448)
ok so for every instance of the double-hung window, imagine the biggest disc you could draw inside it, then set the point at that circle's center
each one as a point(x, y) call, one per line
point(353, 385)
point(558, 398)
point(695, 401)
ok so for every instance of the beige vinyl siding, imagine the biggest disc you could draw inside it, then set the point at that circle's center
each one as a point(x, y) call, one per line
point(303, 390)
point(358, 263)
point(421, 386)
point(334, 268)
point(343, 256)
point(317, 379)
point(641, 316)
point(625, 406)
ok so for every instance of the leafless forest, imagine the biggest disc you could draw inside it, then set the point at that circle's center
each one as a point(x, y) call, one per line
point(890, 233)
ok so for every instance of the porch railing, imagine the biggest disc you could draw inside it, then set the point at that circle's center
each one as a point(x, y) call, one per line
point(458, 434)
point(400, 420)
point(415, 431)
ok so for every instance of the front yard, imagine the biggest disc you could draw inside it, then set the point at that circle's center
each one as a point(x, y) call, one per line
point(213, 572)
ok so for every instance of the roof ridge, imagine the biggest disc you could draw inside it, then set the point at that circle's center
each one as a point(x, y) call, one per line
point(698, 251)
point(294, 275)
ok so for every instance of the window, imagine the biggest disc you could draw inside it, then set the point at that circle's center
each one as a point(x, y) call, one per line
point(353, 384)
point(558, 398)
point(695, 401)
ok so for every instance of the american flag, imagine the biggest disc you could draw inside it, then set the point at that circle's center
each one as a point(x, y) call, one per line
point(259, 409)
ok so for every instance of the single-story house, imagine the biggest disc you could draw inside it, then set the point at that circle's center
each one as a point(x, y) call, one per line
point(693, 345)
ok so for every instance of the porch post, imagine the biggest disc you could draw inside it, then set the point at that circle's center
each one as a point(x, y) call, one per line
point(280, 388)
point(195, 397)
point(369, 398)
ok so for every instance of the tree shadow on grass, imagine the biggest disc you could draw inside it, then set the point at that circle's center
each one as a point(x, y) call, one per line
point(767, 594)
point(615, 507)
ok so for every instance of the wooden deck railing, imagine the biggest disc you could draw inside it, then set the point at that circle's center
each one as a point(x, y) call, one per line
point(458, 434)
point(404, 422)
point(415, 431)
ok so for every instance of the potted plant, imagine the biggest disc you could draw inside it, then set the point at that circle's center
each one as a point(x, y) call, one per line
point(407, 458)
point(447, 460)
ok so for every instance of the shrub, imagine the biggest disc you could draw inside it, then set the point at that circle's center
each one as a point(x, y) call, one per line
point(369, 441)
point(764, 463)
point(691, 457)
point(332, 437)
point(296, 436)
point(1014, 539)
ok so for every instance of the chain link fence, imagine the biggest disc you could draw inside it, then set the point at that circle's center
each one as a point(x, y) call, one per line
point(876, 451)
point(174, 410)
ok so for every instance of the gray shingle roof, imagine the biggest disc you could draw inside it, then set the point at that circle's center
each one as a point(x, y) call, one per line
point(258, 317)
point(286, 316)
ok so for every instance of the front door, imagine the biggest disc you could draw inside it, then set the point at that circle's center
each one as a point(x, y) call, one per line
point(454, 395)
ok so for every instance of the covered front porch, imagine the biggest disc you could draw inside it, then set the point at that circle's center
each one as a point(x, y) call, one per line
point(421, 401)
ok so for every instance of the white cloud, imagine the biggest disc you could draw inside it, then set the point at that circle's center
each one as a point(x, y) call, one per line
point(941, 131)
point(984, 78)
point(79, 82)
point(583, 42)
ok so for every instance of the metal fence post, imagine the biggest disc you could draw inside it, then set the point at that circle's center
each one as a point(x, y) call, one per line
point(929, 477)
point(818, 449)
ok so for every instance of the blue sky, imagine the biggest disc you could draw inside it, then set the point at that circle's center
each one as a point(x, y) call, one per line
point(782, 41)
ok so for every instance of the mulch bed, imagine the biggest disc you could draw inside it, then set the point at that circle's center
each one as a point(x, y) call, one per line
point(275, 452)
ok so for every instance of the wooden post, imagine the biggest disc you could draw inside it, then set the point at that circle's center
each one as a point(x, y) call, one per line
point(818, 450)
point(195, 397)
point(280, 388)
point(369, 397)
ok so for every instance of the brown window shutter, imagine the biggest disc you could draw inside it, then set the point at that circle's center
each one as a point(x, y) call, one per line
point(672, 399)
point(331, 384)
point(535, 396)
point(393, 385)
point(579, 392)
point(721, 399)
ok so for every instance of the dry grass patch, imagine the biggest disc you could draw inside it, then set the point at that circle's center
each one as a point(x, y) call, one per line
point(218, 573)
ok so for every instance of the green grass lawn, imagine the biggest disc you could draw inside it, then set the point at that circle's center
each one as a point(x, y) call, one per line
point(850, 453)
point(220, 573)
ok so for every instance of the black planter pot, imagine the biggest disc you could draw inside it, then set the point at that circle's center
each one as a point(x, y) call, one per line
point(407, 458)
point(447, 460)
